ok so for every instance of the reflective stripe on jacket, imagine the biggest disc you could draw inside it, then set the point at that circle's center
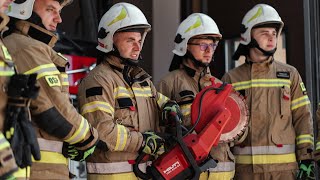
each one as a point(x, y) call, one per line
point(121, 102)
point(182, 85)
point(280, 117)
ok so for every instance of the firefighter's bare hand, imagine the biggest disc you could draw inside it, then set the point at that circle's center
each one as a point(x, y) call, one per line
point(152, 144)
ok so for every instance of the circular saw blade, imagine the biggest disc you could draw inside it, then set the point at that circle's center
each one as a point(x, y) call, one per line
point(237, 106)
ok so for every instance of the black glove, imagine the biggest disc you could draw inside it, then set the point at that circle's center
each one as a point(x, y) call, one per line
point(306, 170)
point(152, 144)
point(170, 109)
point(17, 126)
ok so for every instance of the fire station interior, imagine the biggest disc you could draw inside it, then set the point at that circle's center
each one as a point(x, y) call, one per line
point(298, 45)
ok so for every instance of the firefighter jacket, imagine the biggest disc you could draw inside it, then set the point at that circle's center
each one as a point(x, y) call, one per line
point(280, 125)
point(182, 85)
point(8, 163)
point(121, 102)
point(6, 70)
point(54, 117)
point(317, 151)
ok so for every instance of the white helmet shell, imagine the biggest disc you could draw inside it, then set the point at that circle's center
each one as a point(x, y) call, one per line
point(20, 10)
point(260, 14)
point(119, 17)
point(195, 24)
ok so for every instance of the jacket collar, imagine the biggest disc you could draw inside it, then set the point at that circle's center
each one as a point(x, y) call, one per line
point(131, 74)
point(195, 73)
point(36, 32)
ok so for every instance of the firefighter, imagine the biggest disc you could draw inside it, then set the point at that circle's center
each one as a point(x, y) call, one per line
point(280, 135)
point(119, 98)
point(8, 164)
point(196, 40)
point(54, 118)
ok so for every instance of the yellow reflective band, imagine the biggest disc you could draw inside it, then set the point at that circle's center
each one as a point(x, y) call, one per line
point(195, 25)
point(3, 142)
point(221, 175)
point(51, 158)
point(122, 92)
point(44, 70)
point(80, 133)
point(22, 173)
point(6, 53)
point(261, 83)
point(5, 70)
point(302, 101)
point(97, 106)
point(65, 79)
point(122, 15)
point(256, 15)
point(142, 92)
point(305, 138)
point(122, 138)
point(162, 99)
point(318, 146)
point(265, 159)
point(53, 80)
point(185, 109)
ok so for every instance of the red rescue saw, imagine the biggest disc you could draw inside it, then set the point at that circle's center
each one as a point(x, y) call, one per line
point(218, 114)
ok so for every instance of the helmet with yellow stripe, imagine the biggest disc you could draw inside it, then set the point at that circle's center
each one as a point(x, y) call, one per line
point(260, 15)
point(195, 24)
point(120, 17)
point(22, 9)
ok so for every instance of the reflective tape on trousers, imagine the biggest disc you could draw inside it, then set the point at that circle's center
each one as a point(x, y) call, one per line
point(254, 150)
point(223, 167)
point(116, 167)
point(49, 145)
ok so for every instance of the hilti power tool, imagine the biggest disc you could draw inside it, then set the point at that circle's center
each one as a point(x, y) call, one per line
point(218, 114)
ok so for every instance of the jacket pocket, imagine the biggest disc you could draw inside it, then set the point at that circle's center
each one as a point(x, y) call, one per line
point(124, 112)
point(285, 136)
point(285, 102)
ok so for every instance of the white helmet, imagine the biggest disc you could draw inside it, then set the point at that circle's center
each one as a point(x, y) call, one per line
point(121, 16)
point(22, 9)
point(195, 24)
point(260, 14)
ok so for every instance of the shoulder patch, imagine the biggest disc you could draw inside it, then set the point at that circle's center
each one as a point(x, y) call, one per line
point(283, 75)
point(53, 80)
point(93, 91)
point(303, 88)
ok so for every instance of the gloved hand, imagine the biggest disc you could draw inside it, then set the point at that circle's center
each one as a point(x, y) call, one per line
point(81, 151)
point(17, 126)
point(170, 108)
point(306, 170)
point(152, 144)
point(71, 152)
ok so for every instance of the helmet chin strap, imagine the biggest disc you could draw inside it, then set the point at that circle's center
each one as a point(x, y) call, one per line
point(254, 44)
point(126, 61)
point(196, 62)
